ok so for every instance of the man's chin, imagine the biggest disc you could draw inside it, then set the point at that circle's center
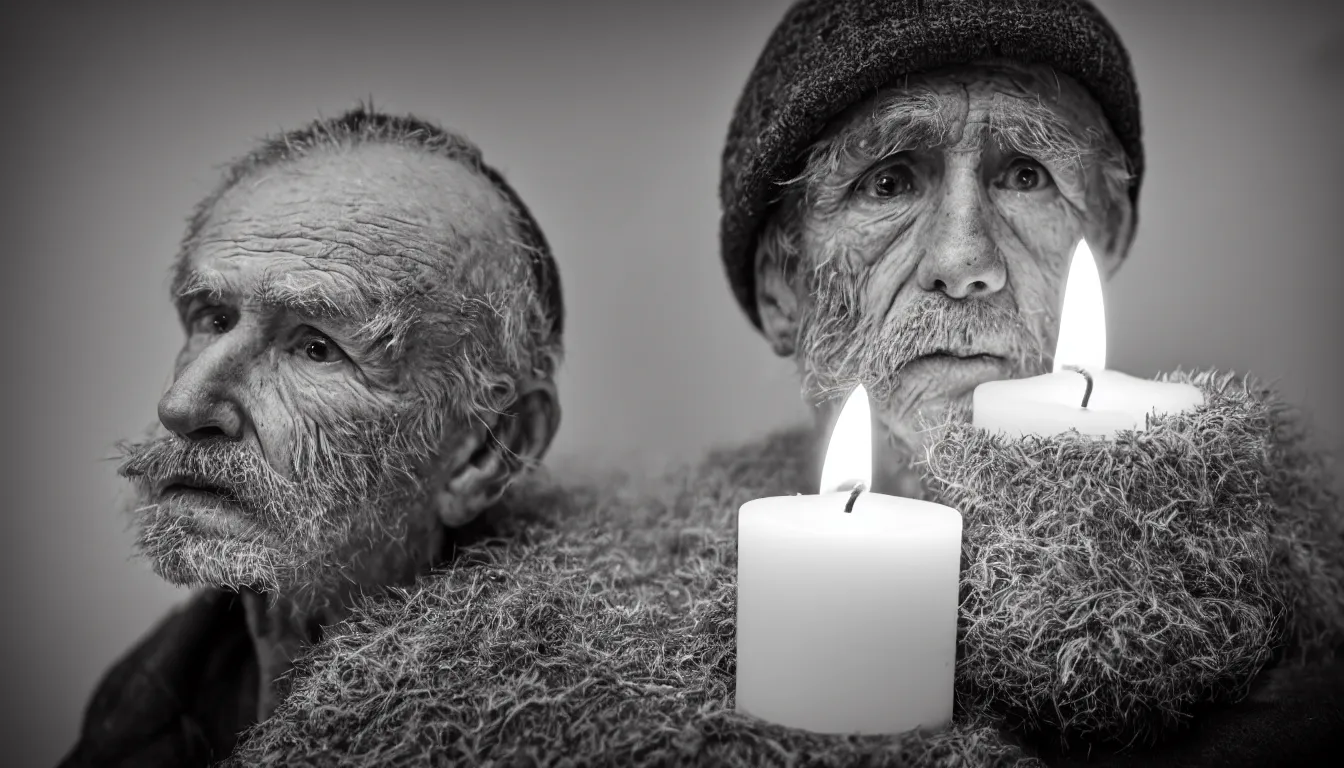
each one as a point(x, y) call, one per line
point(950, 407)
point(204, 563)
point(190, 550)
point(935, 388)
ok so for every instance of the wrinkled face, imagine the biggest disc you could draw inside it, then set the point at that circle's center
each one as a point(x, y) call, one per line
point(931, 234)
point(296, 433)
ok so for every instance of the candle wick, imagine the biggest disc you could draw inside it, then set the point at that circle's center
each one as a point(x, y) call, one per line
point(853, 496)
point(1087, 393)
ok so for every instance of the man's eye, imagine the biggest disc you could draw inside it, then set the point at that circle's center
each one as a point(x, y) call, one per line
point(320, 349)
point(1026, 176)
point(888, 182)
point(213, 320)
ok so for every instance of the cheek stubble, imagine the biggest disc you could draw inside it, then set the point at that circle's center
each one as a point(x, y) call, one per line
point(345, 493)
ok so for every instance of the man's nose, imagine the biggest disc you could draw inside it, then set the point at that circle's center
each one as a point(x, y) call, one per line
point(202, 403)
point(960, 258)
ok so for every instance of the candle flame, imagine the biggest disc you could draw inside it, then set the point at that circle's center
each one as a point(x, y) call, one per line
point(1082, 324)
point(849, 456)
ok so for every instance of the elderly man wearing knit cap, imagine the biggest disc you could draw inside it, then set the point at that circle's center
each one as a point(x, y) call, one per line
point(903, 187)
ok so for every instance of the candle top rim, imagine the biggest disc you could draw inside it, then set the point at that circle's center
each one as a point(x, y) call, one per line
point(842, 496)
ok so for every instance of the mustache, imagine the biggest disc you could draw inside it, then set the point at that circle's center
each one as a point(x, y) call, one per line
point(841, 347)
point(936, 324)
point(346, 487)
point(219, 464)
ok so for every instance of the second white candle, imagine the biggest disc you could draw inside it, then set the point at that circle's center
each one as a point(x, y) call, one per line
point(847, 620)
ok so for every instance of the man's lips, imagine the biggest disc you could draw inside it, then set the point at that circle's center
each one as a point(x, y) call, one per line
point(210, 505)
point(953, 373)
point(967, 356)
point(189, 486)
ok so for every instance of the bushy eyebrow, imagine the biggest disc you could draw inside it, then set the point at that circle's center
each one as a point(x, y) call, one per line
point(898, 124)
point(1035, 130)
point(377, 315)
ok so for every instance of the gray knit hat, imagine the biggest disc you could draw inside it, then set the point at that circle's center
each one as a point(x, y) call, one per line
point(828, 54)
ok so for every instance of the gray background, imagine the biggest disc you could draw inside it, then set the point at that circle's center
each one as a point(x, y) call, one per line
point(608, 117)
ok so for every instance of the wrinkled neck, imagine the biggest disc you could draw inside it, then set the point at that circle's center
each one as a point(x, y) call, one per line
point(279, 633)
point(282, 625)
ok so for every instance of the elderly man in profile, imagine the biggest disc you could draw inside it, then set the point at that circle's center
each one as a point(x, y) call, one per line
point(372, 326)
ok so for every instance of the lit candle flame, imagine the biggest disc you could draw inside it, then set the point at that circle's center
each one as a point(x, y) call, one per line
point(849, 456)
point(1082, 324)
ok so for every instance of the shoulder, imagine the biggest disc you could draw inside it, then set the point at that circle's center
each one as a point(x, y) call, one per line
point(1294, 715)
point(547, 504)
point(582, 583)
point(781, 463)
point(176, 694)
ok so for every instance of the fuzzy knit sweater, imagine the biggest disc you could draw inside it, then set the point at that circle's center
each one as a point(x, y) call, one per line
point(592, 623)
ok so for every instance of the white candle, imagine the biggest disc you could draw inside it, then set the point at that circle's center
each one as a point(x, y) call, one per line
point(1063, 400)
point(847, 620)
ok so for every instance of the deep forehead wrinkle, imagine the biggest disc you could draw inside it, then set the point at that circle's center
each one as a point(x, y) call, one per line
point(376, 189)
point(303, 292)
point(391, 209)
point(925, 118)
point(363, 233)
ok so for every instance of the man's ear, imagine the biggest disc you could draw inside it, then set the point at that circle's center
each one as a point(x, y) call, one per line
point(1113, 257)
point(1112, 232)
point(515, 442)
point(776, 300)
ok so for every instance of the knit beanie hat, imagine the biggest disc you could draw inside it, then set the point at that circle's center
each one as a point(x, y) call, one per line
point(826, 55)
